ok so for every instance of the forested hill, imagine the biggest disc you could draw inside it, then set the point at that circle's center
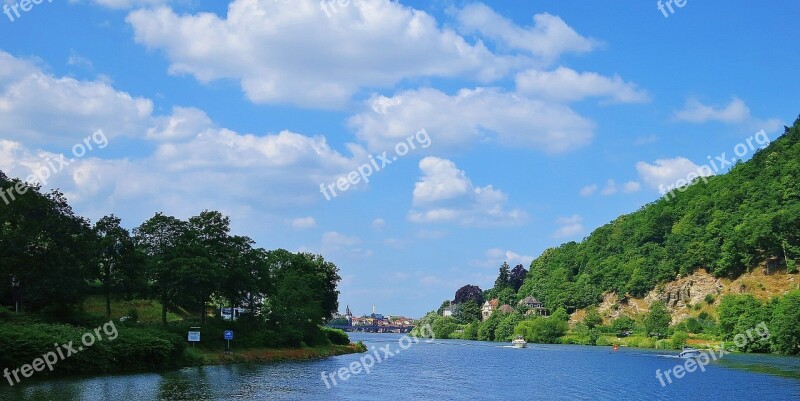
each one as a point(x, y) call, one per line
point(731, 223)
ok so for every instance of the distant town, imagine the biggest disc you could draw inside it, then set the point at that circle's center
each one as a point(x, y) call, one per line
point(372, 323)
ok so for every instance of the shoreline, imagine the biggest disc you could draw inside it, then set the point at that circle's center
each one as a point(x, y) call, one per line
point(264, 355)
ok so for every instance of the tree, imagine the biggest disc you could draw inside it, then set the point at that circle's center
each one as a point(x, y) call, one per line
point(679, 339)
point(504, 278)
point(592, 318)
point(517, 277)
point(505, 329)
point(785, 324)
point(163, 239)
point(622, 324)
point(117, 258)
point(468, 312)
point(469, 292)
point(656, 323)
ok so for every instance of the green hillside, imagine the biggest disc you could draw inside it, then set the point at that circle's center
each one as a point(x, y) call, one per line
point(731, 223)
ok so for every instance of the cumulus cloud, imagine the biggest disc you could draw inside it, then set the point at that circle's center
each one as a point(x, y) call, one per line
point(696, 112)
point(495, 257)
point(469, 116)
point(184, 161)
point(569, 226)
point(292, 52)
point(588, 190)
point(445, 195)
point(441, 180)
point(565, 84)
point(303, 223)
point(668, 171)
point(548, 38)
point(38, 107)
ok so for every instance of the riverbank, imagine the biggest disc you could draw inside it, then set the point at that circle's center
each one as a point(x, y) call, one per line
point(266, 355)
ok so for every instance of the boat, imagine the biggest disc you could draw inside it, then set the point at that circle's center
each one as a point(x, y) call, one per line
point(688, 352)
point(519, 342)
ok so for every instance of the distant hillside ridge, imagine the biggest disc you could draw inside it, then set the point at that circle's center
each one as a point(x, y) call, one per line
point(747, 217)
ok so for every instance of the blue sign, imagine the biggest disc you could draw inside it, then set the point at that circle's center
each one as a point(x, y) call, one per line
point(229, 334)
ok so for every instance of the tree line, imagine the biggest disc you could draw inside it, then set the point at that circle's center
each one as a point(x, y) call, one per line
point(51, 260)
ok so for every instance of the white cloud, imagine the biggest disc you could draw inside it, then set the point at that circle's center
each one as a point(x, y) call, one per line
point(445, 195)
point(291, 52)
point(696, 112)
point(631, 186)
point(302, 223)
point(569, 226)
point(37, 107)
point(471, 116)
point(565, 84)
point(125, 4)
point(612, 187)
point(333, 238)
point(667, 171)
point(441, 180)
point(548, 38)
point(193, 165)
point(588, 190)
point(379, 224)
point(495, 257)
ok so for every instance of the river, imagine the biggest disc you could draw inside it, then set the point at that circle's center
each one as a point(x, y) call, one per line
point(447, 370)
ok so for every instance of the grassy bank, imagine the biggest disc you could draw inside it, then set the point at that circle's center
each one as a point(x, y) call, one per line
point(266, 355)
point(97, 346)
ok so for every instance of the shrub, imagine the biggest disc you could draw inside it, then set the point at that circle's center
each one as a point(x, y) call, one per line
point(336, 336)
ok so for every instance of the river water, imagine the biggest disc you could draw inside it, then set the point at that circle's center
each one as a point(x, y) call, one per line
point(447, 370)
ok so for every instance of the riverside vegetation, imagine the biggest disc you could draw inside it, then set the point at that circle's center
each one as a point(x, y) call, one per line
point(63, 276)
point(745, 219)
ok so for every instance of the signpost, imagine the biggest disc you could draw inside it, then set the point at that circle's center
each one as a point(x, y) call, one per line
point(194, 335)
point(228, 337)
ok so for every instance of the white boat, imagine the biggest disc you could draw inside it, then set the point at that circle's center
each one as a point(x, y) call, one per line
point(519, 342)
point(689, 353)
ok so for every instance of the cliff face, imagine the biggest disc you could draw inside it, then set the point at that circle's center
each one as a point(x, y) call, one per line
point(689, 295)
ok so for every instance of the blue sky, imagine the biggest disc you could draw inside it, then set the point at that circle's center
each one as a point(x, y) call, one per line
point(546, 119)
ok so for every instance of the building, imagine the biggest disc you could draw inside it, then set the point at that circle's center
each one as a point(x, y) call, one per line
point(506, 308)
point(489, 307)
point(447, 312)
point(534, 306)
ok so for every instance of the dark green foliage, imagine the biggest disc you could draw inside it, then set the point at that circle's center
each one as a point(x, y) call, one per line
point(469, 292)
point(468, 312)
point(785, 326)
point(732, 223)
point(656, 323)
point(336, 336)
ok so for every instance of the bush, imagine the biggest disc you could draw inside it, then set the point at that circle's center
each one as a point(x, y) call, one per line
point(679, 339)
point(336, 336)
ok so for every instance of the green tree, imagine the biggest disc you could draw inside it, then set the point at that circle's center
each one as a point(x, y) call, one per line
point(592, 318)
point(505, 329)
point(117, 258)
point(622, 324)
point(504, 277)
point(468, 312)
point(785, 324)
point(656, 323)
point(679, 339)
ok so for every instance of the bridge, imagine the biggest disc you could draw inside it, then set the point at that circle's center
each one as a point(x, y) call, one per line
point(373, 328)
